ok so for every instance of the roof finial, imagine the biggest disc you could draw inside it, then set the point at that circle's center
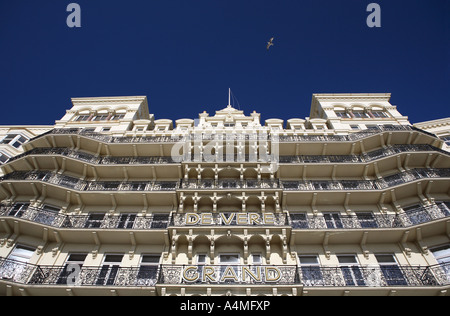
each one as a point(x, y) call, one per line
point(229, 98)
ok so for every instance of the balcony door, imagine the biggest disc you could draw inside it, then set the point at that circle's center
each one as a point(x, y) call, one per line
point(109, 269)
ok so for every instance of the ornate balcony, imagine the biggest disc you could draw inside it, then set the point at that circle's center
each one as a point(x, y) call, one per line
point(149, 276)
point(83, 185)
point(414, 215)
point(88, 221)
point(235, 136)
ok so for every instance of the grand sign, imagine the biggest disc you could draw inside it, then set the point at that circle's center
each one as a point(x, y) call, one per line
point(230, 219)
point(232, 273)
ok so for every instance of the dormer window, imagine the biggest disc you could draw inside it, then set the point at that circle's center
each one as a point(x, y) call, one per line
point(82, 118)
point(379, 114)
point(342, 114)
point(360, 114)
point(101, 117)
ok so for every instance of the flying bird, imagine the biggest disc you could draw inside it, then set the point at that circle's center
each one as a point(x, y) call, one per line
point(269, 43)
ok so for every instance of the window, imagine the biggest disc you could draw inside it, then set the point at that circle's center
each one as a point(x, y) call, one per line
point(372, 126)
point(126, 221)
point(15, 140)
point(391, 271)
point(379, 114)
point(228, 124)
point(94, 220)
point(3, 158)
point(15, 267)
point(83, 118)
point(109, 269)
point(310, 270)
point(442, 255)
point(342, 114)
point(354, 127)
point(446, 139)
point(360, 114)
point(256, 258)
point(333, 220)
point(350, 270)
point(148, 270)
point(67, 275)
point(367, 220)
point(18, 209)
point(160, 221)
point(201, 258)
point(299, 220)
point(117, 117)
point(101, 117)
point(229, 258)
point(106, 129)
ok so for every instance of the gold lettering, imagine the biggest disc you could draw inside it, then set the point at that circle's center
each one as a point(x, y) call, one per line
point(256, 278)
point(229, 274)
point(269, 219)
point(192, 218)
point(272, 274)
point(208, 273)
point(190, 274)
point(254, 218)
point(207, 219)
point(242, 219)
point(226, 220)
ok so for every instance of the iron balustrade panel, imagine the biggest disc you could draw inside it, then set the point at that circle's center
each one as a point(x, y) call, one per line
point(238, 136)
point(151, 275)
point(83, 185)
point(379, 184)
point(411, 216)
point(95, 276)
point(223, 184)
point(292, 159)
point(88, 221)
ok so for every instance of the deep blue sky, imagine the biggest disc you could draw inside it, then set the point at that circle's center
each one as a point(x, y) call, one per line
point(185, 54)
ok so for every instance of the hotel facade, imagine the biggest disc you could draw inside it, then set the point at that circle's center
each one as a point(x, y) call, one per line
point(353, 200)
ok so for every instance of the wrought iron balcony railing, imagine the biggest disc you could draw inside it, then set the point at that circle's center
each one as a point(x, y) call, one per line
point(379, 184)
point(108, 160)
point(83, 185)
point(316, 185)
point(151, 275)
point(414, 215)
point(205, 136)
point(87, 221)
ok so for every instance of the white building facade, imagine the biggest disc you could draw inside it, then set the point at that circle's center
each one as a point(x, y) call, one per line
point(353, 200)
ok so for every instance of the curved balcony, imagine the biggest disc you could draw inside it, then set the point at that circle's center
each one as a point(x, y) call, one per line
point(84, 185)
point(414, 215)
point(87, 221)
point(317, 185)
point(235, 136)
point(150, 276)
point(379, 184)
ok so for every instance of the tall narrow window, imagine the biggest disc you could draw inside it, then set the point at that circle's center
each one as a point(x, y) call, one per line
point(310, 270)
point(68, 274)
point(392, 273)
point(148, 270)
point(351, 270)
point(109, 269)
point(15, 267)
point(442, 255)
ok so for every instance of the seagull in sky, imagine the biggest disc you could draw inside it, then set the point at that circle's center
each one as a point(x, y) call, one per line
point(269, 43)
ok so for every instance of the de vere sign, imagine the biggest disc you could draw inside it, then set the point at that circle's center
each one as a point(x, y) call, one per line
point(230, 219)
